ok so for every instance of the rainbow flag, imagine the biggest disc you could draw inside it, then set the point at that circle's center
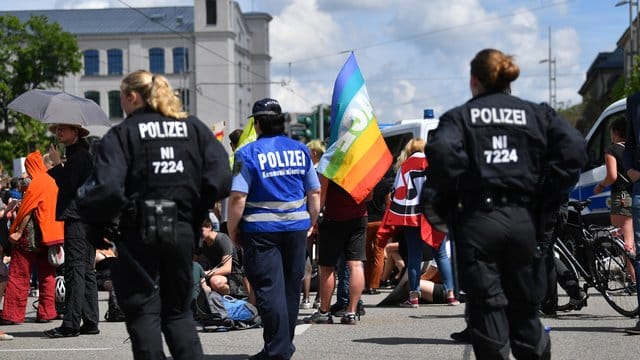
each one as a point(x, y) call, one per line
point(357, 157)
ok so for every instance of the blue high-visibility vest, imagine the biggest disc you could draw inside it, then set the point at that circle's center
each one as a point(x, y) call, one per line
point(274, 169)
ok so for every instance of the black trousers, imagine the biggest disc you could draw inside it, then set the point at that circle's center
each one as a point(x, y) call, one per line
point(81, 288)
point(557, 272)
point(153, 284)
point(502, 272)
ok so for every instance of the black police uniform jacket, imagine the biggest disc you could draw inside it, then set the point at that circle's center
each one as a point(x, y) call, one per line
point(149, 156)
point(498, 142)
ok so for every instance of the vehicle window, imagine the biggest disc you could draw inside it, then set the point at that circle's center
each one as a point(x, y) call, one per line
point(396, 143)
point(600, 140)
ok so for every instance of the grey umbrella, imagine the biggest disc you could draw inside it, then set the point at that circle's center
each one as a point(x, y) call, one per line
point(56, 107)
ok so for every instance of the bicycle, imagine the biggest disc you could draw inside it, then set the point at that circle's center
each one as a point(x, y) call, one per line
point(596, 254)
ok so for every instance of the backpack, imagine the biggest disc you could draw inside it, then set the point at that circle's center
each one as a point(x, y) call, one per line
point(221, 313)
point(244, 314)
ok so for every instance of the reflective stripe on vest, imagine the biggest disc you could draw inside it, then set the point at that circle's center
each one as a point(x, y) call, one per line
point(261, 217)
point(276, 205)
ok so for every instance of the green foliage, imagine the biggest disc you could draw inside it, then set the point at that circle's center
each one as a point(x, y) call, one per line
point(571, 113)
point(632, 83)
point(33, 54)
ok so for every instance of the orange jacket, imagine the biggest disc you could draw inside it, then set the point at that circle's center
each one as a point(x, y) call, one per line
point(40, 197)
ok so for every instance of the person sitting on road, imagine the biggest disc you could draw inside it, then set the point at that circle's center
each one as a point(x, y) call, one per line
point(393, 265)
point(224, 272)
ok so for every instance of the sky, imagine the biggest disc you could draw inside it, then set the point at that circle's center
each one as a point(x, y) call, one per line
point(415, 54)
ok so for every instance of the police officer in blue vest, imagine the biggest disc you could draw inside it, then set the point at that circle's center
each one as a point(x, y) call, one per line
point(486, 158)
point(164, 170)
point(274, 203)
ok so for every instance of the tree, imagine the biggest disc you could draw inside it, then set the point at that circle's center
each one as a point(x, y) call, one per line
point(33, 54)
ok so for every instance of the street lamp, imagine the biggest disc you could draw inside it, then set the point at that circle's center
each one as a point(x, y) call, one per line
point(552, 81)
point(632, 37)
point(552, 74)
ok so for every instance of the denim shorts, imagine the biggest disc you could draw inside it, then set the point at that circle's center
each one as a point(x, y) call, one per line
point(621, 203)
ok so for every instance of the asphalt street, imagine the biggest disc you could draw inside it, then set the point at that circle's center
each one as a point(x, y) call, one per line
point(595, 332)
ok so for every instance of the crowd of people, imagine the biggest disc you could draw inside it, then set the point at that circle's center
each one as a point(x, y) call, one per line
point(258, 228)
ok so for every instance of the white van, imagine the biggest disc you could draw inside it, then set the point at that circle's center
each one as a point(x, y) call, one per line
point(398, 135)
point(598, 139)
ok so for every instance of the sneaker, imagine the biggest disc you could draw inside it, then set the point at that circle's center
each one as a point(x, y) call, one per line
point(633, 330)
point(306, 305)
point(348, 319)
point(259, 356)
point(60, 332)
point(580, 302)
point(410, 303)
point(7, 322)
point(5, 336)
point(337, 309)
point(319, 317)
point(361, 310)
point(89, 330)
point(461, 336)
point(452, 301)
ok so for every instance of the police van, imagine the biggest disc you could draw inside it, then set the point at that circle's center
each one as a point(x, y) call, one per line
point(398, 135)
point(598, 139)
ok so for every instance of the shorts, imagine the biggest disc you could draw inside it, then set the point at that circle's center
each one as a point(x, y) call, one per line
point(621, 203)
point(339, 238)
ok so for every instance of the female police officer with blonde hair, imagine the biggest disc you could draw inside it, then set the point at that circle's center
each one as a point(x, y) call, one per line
point(487, 157)
point(165, 170)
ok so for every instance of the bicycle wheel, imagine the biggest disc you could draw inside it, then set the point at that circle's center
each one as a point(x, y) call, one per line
point(611, 276)
point(564, 301)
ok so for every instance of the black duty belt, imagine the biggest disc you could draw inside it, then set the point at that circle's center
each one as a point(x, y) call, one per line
point(487, 200)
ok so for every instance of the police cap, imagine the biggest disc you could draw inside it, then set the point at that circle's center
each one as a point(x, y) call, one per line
point(266, 106)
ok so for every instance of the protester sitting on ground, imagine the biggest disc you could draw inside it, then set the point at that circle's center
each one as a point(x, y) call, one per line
point(30, 245)
point(224, 272)
point(432, 290)
point(393, 265)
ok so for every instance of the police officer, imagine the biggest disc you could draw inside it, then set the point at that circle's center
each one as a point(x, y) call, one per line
point(165, 169)
point(490, 152)
point(274, 203)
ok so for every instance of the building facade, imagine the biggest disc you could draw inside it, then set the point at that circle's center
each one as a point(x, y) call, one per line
point(213, 54)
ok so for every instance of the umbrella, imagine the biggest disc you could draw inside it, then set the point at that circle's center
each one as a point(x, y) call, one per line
point(55, 107)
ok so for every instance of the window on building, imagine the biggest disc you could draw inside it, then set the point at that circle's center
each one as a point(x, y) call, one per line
point(93, 95)
point(91, 62)
point(212, 16)
point(115, 109)
point(184, 97)
point(180, 60)
point(156, 60)
point(114, 61)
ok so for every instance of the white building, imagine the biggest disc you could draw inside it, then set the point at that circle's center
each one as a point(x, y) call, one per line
point(213, 53)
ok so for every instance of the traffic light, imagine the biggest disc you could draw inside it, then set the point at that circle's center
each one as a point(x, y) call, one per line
point(304, 128)
point(326, 126)
point(311, 123)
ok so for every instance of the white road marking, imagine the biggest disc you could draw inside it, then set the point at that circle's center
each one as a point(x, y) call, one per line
point(302, 328)
point(56, 349)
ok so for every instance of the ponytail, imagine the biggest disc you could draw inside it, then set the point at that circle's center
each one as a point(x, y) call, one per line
point(156, 92)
